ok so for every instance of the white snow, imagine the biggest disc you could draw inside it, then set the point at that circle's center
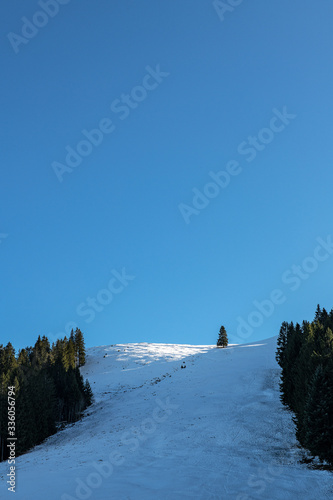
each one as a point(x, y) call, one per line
point(214, 430)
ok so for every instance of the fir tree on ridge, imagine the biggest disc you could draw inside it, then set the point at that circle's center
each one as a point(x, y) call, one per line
point(222, 341)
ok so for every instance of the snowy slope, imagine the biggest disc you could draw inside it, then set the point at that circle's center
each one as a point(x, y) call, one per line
point(214, 430)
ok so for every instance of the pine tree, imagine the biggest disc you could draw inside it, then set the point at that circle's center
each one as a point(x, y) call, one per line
point(10, 360)
point(72, 339)
point(324, 342)
point(291, 354)
point(306, 357)
point(23, 358)
point(2, 358)
point(43, 397)
point(71, 353)
point(222, 341)
point(281, 344)
point(80, 348)
point(61, 353)
point(27, 425)
point(37, 351)
point(48, 386)
point(318, 313)
point(3, 425)
point(318, 425)
point(88, 394)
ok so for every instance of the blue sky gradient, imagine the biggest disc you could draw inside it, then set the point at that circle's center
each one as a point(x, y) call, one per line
point(179, 92)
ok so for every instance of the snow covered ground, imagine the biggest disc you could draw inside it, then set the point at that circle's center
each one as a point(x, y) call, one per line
point(215, 430)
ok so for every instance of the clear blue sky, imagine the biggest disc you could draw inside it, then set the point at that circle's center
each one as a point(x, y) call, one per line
point(198, 90)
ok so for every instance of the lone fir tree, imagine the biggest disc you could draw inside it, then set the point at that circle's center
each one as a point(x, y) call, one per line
point(222, 341)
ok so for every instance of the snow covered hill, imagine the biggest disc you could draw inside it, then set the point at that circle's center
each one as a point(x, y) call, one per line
point(214, 430)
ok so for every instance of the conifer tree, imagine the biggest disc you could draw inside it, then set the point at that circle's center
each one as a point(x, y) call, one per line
point(318, 313)
point(306, 357)
point(71, 353)
point(318, 414)
point(10, 360)
point(222, 341)
point(282, 343)
point(80, 348)
point(27, 428)
point(23, 358)
point(88, 394)
point(72, 339)
point(49, 389)
point(2, 358)
point(3, 425)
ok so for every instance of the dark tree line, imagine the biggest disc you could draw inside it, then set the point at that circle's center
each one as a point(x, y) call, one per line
point(305, 354)
point(49, 389)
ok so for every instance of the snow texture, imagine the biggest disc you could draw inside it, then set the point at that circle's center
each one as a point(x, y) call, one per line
point(212, 430)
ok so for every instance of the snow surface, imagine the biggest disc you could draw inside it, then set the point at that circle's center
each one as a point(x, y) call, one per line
point(215, 430)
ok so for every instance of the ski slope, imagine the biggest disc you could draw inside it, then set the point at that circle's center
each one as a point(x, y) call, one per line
point(214, 430)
